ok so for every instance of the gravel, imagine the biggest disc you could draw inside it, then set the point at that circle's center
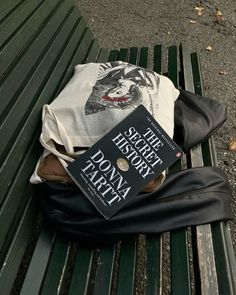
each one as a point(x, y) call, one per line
point(122, 23)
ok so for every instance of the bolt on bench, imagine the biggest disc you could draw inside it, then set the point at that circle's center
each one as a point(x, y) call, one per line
point(41, 42)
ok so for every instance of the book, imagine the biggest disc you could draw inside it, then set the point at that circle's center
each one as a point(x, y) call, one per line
point(119, 165)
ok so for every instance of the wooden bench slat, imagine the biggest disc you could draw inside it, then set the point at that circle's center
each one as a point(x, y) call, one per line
point(93, 52)
point(127, 264)
point(153, 265)
point(24, 37)
point(231, 261)
point(143, 57)
point(157, 58)
point(80, 281)
point(17, 18)
point(222, 260)
point(17, 194)
point(133, 54)
point(7, 7)
point(197, 77)
point(179, 256)
point(180, 272)
point(25, 66)
point(113, 55)
point(123, 54)
point(173, 71)
point(16, 249)
point(205, 249)
point(16, 152)
point(39, 262)
point(80, 56)
point(56, 266)
point(103, 55)
point(15, 117)
point(104, 271)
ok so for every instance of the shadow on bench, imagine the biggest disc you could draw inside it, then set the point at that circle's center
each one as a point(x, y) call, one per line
point(41, 42)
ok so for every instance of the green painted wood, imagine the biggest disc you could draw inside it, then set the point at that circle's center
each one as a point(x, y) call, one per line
point(16, 151)
point(17, 195)
point(143, 58)
point(197, 76)
point(7, 7)
point(55, 271)
point(178, 239)
point(208, 152)
point(39, 262)
point(93, 51)
point(113, 55)
point(103, 55)
point(16, 115)
point(23, 70)
point(180, 274)
point(123, 54)
point(17, 19)
point(153, 265)
point(81, 272)
point(127, 264)
point(79, 57)
point(133, 55)
point(84, 46)
point(173, 65)
point(26, 34)
point(157, 54)
point(17, 248)
point(25, 285)
point(173, 74)
point(231, 252)
point(104, 271)
point(226, 278)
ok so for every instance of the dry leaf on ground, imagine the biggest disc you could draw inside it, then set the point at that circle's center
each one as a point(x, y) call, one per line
point(232, 145)
point(192, 21)
point(209, 48)
point(218, 16)
point(222, 72)
point(199, 10)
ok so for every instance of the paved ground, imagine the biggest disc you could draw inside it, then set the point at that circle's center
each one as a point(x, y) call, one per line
point(126, 23)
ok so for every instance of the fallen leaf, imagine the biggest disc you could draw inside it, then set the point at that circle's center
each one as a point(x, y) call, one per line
point(232, 145)
point(219, 16)
point(199, 10)
point(209, 48)
point(222, 72)
point(193, 21)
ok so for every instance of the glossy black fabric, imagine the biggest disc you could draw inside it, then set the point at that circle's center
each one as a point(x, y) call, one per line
point(190, 197)
point(196, 118)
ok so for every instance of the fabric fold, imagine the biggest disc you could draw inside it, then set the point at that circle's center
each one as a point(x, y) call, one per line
point(190, 197)
point(196, 118)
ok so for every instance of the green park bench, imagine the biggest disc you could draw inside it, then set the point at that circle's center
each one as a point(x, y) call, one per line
point(40, 43)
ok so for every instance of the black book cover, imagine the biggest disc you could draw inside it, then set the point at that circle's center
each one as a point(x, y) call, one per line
point(118, 166)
